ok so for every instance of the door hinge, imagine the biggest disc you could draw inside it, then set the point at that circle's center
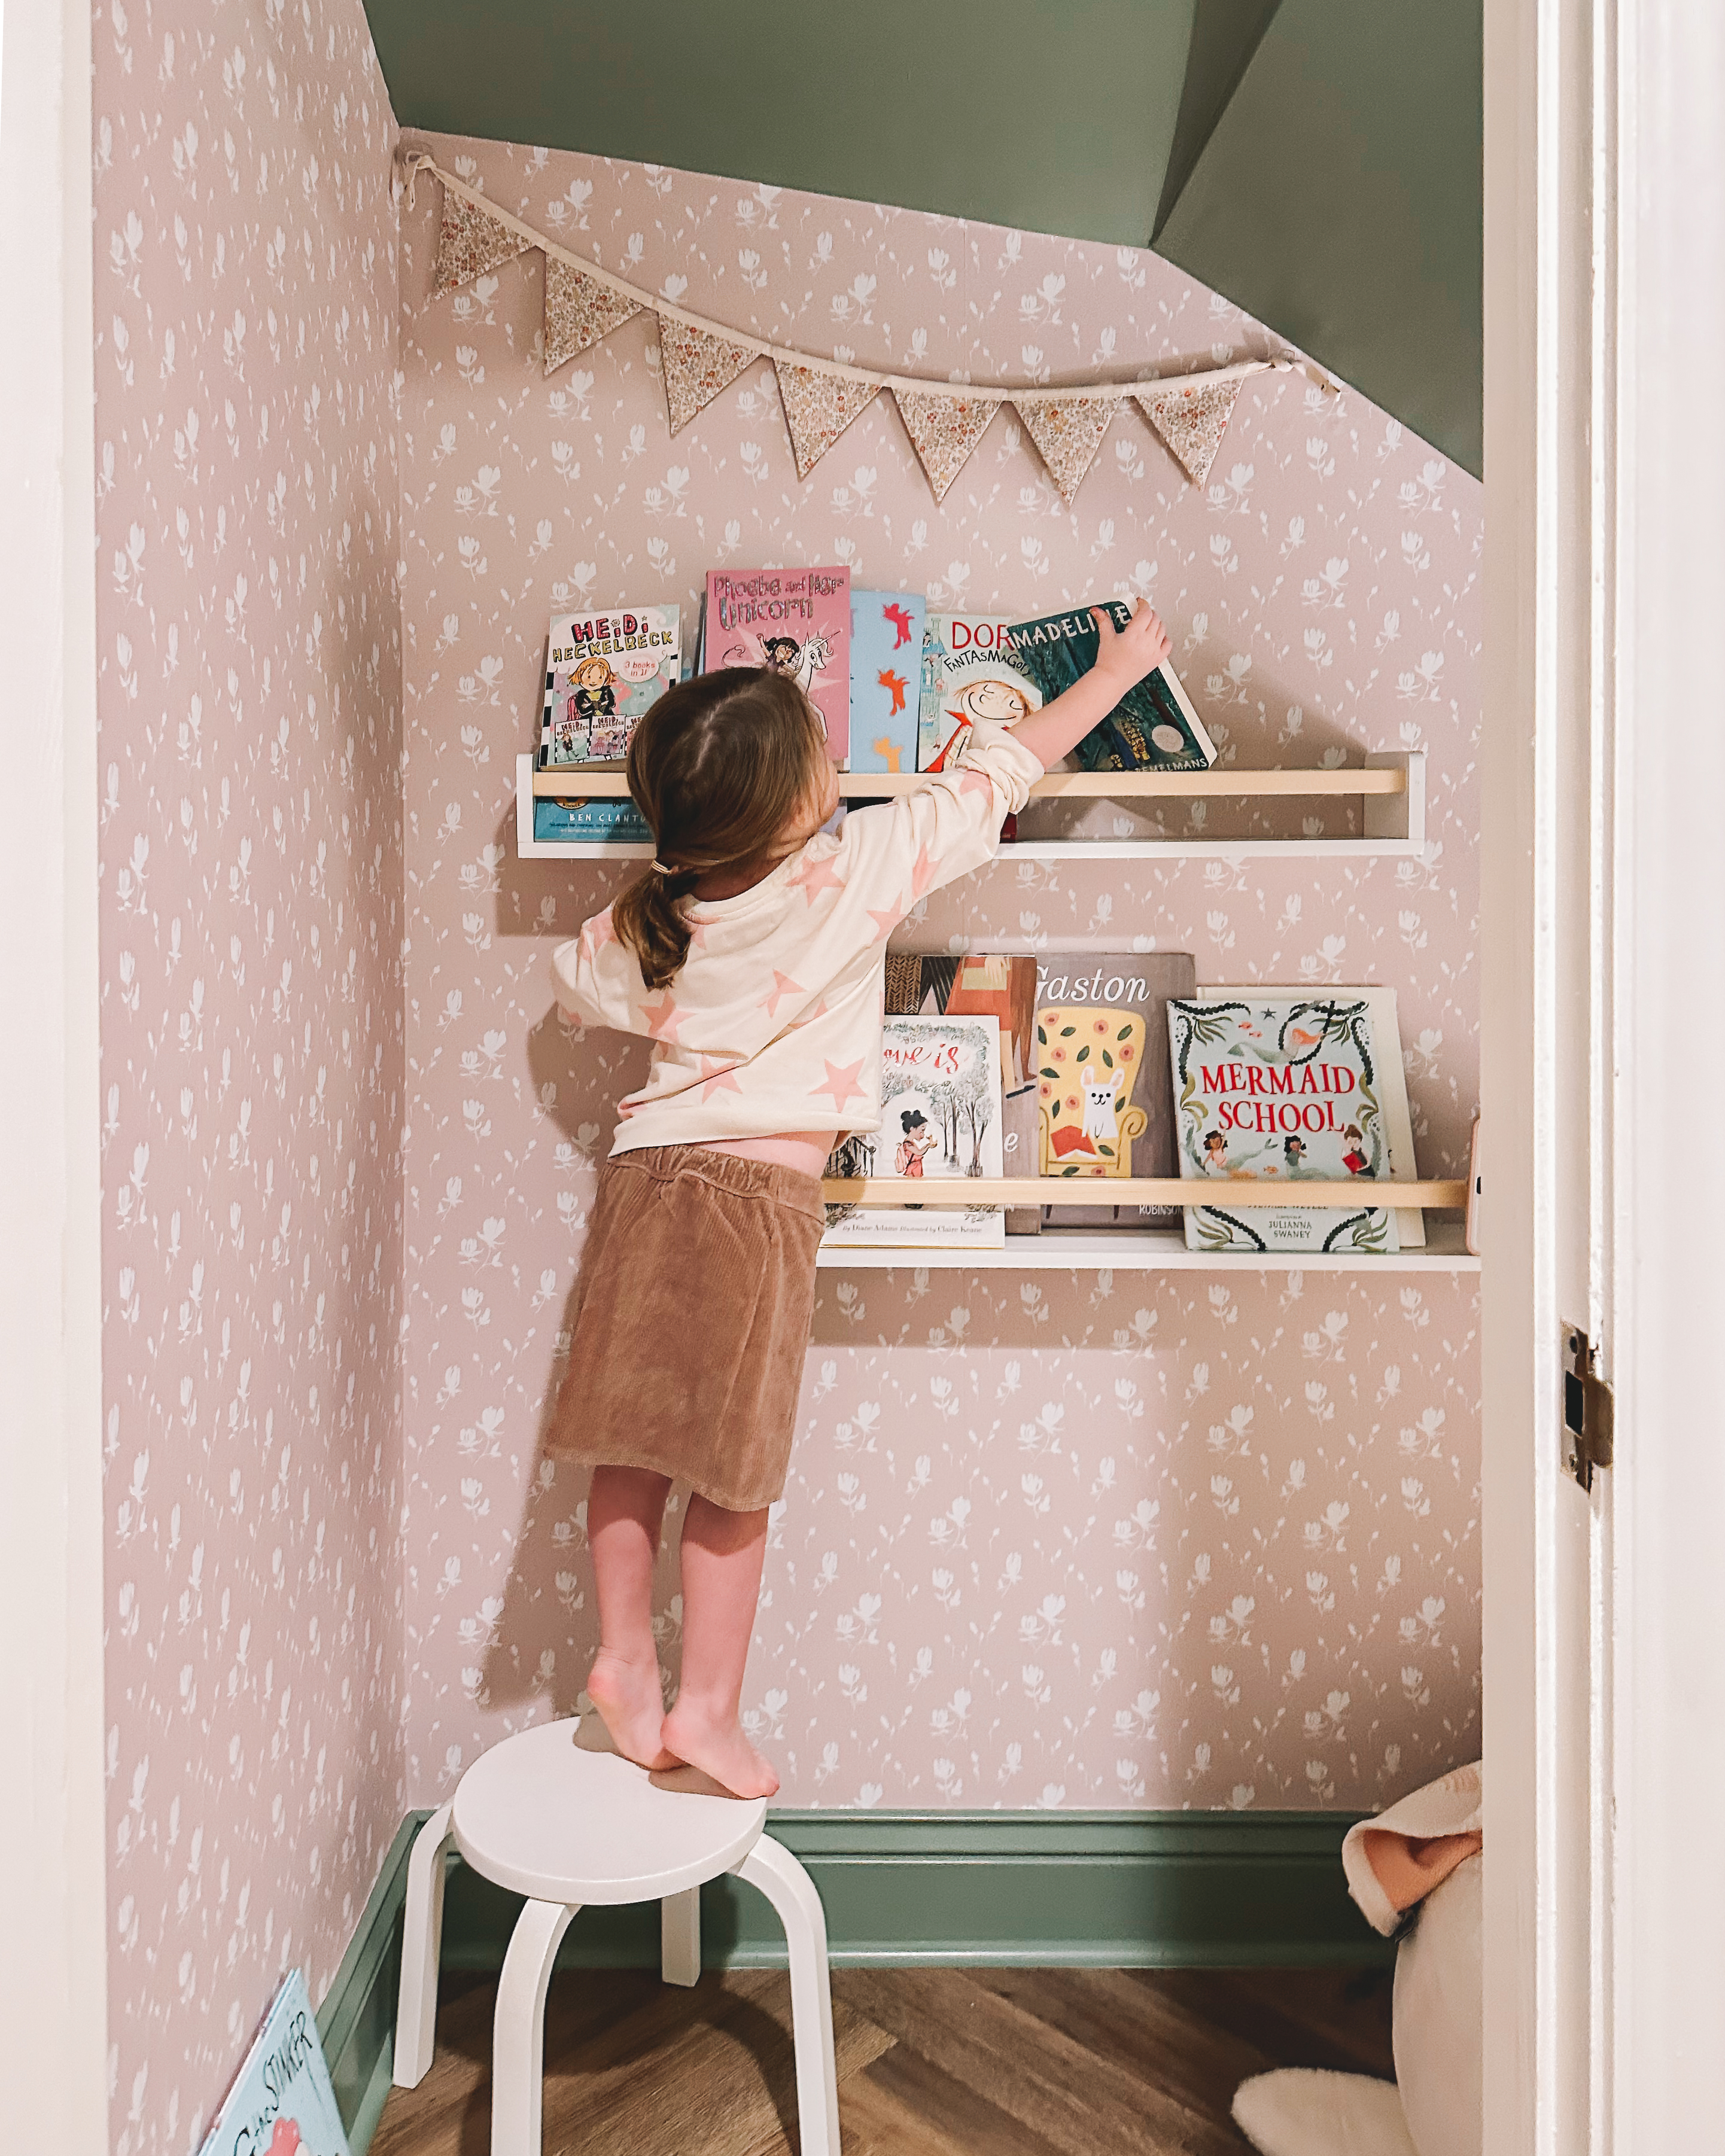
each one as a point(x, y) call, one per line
point(1587, 1409)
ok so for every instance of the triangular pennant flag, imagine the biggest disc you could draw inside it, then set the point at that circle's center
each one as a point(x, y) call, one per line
point(1192, 421)
point(471, 241)
point(579, 312)
point(818, 407)
point(943, 430)
point(1068, 431)
point(697, 366)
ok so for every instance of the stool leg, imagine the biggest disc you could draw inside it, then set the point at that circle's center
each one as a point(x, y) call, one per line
point(421, 1943)
point(518, 2030)
point(680, 1937)
point(788, 1887)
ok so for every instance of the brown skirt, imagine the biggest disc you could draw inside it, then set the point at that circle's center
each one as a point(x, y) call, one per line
point(691, 1322)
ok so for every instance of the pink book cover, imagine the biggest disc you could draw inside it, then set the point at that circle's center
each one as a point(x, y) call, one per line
point(797, 621)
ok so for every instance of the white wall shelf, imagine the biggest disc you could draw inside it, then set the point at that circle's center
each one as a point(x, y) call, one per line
point(1149, 1250)
point(1390, 787)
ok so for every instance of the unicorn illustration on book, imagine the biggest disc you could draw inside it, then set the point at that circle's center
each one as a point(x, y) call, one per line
point(805, 663)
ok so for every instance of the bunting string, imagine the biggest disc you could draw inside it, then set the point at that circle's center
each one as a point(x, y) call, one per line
point(700, 358)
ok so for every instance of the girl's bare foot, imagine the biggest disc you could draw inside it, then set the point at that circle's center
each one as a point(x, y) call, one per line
point(719, 1748)
point(631, 1707)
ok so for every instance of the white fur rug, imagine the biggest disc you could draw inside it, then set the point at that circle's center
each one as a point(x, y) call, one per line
point(1302, 2111)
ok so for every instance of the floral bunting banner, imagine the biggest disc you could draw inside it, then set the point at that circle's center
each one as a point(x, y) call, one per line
point(1192, 421)
point(698, 365)
point(818, 407)
point(1068, 434)
point(584, 302)
point(579, 310)
point(943, 431)
point(470, 241)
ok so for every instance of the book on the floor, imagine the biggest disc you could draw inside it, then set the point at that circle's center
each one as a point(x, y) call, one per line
point(280, 2103)
point(796, 621)
point(1153, 728)
point(885, 679)
point(1106, 1098)
point(602, 672)
point(1288, 1090)
point(994, 984)
point(577, 821)
point(968, 672)
point(940, 1120)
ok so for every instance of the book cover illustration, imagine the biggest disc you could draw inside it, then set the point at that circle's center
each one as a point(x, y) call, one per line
point(940, 1119)
point(886, 630)
point(1283, 1090)
point(796, 621)
point(577, 822)
point(969, 671)
point(1106, 1099)
point(1392, 1081)
point(602, 672)
point(280, 2103)
point(1153, 728)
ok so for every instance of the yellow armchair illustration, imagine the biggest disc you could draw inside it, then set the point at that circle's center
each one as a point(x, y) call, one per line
point(1088, 1058)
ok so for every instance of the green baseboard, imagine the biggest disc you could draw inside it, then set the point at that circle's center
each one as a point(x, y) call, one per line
point(1110, 1890)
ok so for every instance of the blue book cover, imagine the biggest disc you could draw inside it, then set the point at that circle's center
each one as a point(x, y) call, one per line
point(886, 663)
point(574, 821)
point(281, 2103)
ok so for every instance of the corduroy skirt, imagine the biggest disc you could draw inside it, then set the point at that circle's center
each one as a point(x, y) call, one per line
point(691, 1322)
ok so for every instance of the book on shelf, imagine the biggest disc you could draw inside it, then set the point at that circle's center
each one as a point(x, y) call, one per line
point(940, 1120)
point(602, 672)
point(576, 822)
point(1291, 1086)
point(1106, 1101)
point(281, 2103)
point(969, 671)
point(1001, 985)
point(886, 630)
point(1153, 728)
point(798, 622)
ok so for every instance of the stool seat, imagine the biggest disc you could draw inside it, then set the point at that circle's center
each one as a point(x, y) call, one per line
point(543, 1818)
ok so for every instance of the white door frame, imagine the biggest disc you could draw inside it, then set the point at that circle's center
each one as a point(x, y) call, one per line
point(1603, 1013)
point(53, 1974)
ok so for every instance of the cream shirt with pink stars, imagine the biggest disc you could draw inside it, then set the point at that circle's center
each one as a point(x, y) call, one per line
point(773, 1021)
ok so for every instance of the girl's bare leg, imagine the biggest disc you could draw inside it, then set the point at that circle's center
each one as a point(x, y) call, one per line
point(625, 1507)
point(722, 1556)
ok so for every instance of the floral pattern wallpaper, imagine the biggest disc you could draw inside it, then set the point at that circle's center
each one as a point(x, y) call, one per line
point(249, 620)
point(1062, 1539)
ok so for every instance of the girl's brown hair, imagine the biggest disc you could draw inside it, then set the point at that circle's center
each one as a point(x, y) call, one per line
point(718, 766)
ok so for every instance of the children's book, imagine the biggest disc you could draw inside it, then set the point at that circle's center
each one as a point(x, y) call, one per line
point(1287, 1089)
point(602, 672)
point(619, 822)
point(796, 621)
point(940, 1119)
point(1152, 728)
point(969, 671)
point(1105, 1097)
point(982, 984)
point(1392, 1084)
point(886, 665)
point(281, 2103)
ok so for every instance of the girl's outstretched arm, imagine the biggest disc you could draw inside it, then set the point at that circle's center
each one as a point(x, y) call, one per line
point(1124, 656)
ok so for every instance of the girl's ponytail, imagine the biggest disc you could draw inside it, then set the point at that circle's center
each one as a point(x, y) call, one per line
point(718, 766)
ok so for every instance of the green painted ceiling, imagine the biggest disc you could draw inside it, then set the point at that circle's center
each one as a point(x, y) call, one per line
point(1317, 160)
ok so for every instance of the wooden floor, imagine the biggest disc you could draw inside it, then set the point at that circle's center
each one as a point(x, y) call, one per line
point(932, 2061)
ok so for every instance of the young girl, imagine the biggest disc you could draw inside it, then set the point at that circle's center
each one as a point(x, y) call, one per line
point(751, 954)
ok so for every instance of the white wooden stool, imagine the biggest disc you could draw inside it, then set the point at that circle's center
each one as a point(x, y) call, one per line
point(540, 1816)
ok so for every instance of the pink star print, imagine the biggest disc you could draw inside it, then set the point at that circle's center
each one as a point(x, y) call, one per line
point(598, 932)
point(783, 986)
point(972, 780)
point(887, 919)
point(723, 1078)
point(663, 1018)
point(817, 874)
point(922, 873)
point(841, 1083)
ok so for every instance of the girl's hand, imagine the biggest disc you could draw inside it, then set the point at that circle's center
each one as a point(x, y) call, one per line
point(1126, 655)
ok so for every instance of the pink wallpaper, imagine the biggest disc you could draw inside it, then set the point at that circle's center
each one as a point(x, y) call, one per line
point(249, 647)
point(1061, 1540)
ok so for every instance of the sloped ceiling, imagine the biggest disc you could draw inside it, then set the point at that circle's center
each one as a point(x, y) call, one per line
point(1317, 160)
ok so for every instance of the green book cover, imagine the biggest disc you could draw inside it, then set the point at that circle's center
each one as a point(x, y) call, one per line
point(1153, 726)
